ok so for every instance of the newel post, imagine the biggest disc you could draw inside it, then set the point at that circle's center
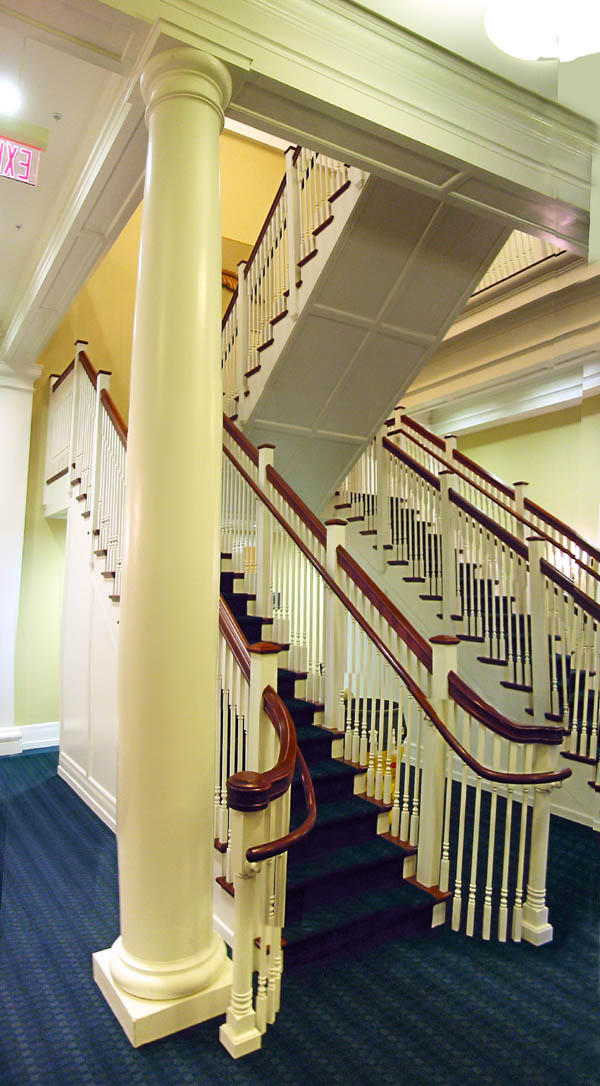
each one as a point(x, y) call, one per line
point(243, 337)
point(264, 594)
point(383, 501)
point(451, 442)
point(80, 345)
point(262, 740)
point(445, 655)
point(293, 230)
point(450, 604)
point(520, 489)
point(534, 926)
point(539, 641)
point(335, 638)
point(102, 382)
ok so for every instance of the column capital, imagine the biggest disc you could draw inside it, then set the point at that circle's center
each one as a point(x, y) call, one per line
point(186, 73)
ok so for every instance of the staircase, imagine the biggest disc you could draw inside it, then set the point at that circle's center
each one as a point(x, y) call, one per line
point(314, 359)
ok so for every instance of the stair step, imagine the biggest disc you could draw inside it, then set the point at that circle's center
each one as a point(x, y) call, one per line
point(332, 927)
point(332, 779)
point(337, 821)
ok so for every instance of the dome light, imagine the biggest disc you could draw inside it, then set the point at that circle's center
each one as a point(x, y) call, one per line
point(544, 29)
point(11, 98)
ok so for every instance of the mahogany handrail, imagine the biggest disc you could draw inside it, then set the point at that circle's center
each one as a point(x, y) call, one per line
point(265, 225)
point(489, 478)
point(244, 443)
point(65, 373)
point(586, 603)
point(473, 704)
point(289, 495)
point(232, 301)
point(560, 526)
point(448, 464)
point(388, 610)
point(114, 415)
point(490, 525)
point(423, 431)
point(234, 637)
point(282, 844)
point(413, 464)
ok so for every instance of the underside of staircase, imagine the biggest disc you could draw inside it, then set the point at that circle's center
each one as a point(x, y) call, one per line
point(392, 268)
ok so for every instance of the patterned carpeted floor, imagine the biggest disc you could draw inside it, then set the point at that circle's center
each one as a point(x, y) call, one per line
point(433, 1011)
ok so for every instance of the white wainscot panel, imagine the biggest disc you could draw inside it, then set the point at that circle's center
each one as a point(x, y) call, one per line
point(75, 656)
point(103, 689)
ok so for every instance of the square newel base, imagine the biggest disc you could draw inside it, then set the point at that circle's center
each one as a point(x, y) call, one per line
point(535, 928)
point(240, 1036)
point(145, 1020)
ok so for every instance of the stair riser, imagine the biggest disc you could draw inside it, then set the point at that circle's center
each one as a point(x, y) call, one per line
point(326, 791)
point(324, 891)
point(328, 837)
point(409, 924)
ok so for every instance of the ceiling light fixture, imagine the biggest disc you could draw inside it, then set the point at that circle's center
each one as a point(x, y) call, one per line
point(544, 29)
point(11, 98)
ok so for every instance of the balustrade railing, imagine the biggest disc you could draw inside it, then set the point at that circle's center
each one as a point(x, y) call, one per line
point(269, 278)
point(58, 436)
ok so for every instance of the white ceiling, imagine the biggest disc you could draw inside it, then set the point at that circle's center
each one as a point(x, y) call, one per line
point(73, 58)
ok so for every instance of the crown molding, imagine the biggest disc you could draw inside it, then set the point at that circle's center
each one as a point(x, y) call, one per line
point(22, 379)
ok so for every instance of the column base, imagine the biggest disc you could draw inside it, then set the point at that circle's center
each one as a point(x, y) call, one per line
point(144, 1020)
point(535, 928)
point(11, 741)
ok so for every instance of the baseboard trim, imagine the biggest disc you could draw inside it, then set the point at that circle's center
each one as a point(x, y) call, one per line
point(93, 794)
point(38, 736)
point(11, 741)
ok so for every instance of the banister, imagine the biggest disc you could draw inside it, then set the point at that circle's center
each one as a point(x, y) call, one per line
point(240, 439)
point(589, 570)
point(249, 791)
point(282, 844)
point(65, 373)
point(232, 301)
point(490, 525)
point(423, 431)
point(89, 369)
point(586, 603)
point(559, 526)
point(473, 704)
point(295, 502)
point(412, 464)
point(115, 417)
point(388, 610)
point(265, 225)
point(234, 638)
point(409, 682)
point(493, 479)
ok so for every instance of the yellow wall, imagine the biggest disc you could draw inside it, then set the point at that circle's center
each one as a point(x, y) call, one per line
point(102, 314)
point(558, 454)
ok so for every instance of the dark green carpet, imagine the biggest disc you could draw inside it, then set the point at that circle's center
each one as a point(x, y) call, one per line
point(425, 1011)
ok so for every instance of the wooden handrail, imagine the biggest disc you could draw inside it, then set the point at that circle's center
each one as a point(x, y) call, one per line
point(423, 431)
point(388, 610)
point(473, 704)
point(65, 373)
point(531, 527)
point(397, 667)
point(240, 439)
point(232, 301)
point(490, 525)
point(282, 844)
point(587, 604)
point(306, 515)
point(234, 637)
point(89, 369)
point(483, 474)
point(110, 407)
point(412, 464)
point(265, 225)
point(539, 511)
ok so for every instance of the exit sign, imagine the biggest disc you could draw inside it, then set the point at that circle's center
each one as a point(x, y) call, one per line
point(18, 161)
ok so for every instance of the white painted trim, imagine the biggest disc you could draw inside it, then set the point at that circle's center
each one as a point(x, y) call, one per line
point(93, 794)
point(11, 741)
point(22, 378)
point(38, 736)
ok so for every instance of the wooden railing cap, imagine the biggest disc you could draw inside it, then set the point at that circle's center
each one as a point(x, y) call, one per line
point(335, 520)
point(263, 648)
point(444, 639)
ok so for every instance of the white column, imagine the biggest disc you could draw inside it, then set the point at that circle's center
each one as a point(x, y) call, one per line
point(167, 951)
point(16, 392)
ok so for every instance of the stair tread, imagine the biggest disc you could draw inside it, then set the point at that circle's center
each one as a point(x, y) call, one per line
point(345, 858)
point(344, 810)
point(374, 904)
point(328, 769)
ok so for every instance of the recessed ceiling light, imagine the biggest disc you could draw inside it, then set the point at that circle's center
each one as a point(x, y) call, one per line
point(11, 98)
